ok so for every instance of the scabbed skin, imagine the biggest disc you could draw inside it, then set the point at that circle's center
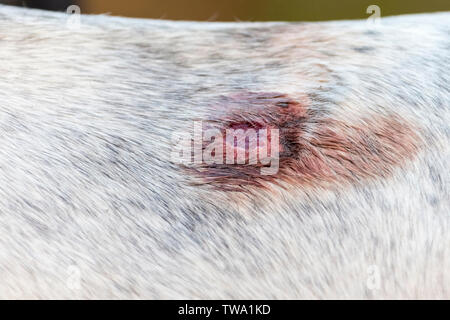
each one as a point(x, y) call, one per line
point(91, 205)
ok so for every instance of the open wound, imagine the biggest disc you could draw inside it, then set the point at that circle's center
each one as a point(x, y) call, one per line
point(259, 139)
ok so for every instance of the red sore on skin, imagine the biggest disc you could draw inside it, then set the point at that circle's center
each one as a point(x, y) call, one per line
point(314, 150)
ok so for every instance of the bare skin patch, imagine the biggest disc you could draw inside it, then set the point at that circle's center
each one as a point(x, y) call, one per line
point(313, 150)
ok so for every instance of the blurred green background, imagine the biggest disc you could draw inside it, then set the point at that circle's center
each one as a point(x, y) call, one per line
point(242, 10)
